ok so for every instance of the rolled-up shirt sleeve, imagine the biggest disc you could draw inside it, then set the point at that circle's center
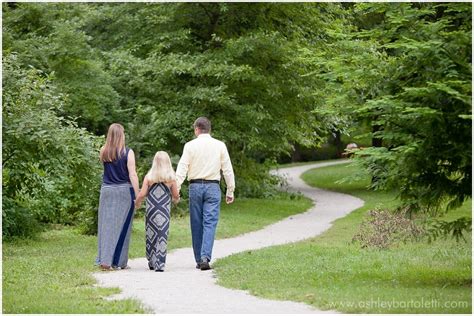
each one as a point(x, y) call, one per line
point(227, 171)
point(183, 166)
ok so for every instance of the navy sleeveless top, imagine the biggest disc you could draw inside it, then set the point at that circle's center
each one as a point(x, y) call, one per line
point(116, 172)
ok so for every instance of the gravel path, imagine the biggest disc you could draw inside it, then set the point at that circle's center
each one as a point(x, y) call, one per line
point(184, 289)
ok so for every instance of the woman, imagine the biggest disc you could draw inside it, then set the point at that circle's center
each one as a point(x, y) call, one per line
point(116, 204)
point(159, 186)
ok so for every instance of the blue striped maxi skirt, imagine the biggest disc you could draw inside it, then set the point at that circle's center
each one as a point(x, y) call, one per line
point(157, 223)
point(116, 208)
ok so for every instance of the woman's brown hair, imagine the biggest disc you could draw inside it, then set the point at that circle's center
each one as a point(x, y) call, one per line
point(114, 144)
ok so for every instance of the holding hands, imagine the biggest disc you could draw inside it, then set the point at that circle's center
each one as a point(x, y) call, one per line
point(144, 191)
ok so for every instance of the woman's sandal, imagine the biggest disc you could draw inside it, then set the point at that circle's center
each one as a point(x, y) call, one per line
point(105, 267)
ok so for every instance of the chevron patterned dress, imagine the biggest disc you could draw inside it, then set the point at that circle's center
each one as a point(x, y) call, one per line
point(157, 225)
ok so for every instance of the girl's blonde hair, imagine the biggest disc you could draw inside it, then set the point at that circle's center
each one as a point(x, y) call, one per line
point(114, 144)
point(161, 169)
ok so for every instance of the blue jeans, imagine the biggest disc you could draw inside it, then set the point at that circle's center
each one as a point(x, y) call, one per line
point(204, 208)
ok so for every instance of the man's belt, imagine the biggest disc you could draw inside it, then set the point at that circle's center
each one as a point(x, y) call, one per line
point(203, 181)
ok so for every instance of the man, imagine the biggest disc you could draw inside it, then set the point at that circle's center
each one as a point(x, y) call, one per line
point(202, 160)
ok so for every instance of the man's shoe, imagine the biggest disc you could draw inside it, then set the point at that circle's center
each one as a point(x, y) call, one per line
point(204, 265)
point(198, 265)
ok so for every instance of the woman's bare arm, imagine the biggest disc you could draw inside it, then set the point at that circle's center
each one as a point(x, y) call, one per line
point(132, 172)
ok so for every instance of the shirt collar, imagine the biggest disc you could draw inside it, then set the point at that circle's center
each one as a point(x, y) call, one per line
point(204, 135)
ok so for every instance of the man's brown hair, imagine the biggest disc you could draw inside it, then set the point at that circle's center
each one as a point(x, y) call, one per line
point(203, 124)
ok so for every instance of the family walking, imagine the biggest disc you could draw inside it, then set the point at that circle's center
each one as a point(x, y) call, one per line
point(202, 161)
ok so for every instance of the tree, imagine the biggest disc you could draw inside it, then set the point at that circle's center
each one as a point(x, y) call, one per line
point(413, 82)
point(154, 68)
point(49, 37)
point(235, 63)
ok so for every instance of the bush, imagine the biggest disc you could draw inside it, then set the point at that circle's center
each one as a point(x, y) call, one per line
point(384, 228)
point(17, 221)
point(51, 173)
point(253, 180)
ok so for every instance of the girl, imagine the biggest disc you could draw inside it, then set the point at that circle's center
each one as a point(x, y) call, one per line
point(119, 188)
point(159, 187)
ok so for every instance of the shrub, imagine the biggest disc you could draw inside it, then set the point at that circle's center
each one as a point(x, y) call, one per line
point(51, 173)
point(17, 221)
point(384, 228)
point(253, 180)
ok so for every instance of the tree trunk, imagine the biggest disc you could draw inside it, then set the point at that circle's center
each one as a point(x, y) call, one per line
point(376, 142)
point(296, 154)
point(338, 143)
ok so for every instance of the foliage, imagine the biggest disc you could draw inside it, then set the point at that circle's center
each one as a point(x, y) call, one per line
point(426, 111)
point(272, 77)
point(154, 68)
point(229, 62)
point(17, 221)
point(157, 67)
point(406, 69)
point(49, 38)
point(50, 168)
point(454, 229)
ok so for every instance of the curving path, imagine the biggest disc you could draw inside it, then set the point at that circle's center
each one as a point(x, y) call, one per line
point(184, 289)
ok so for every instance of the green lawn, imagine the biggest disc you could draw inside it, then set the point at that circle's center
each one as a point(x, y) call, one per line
point(53, 273)
point(329, 272)
point(296, 164)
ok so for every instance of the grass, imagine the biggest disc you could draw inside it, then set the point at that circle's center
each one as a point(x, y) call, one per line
point(331, 273)
point(52, 274)
point(296, 164)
